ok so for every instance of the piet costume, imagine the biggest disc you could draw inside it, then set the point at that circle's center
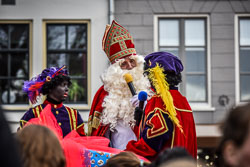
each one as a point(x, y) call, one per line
point(79, 151)
point(168, 119)
point(112, 99)
point(68, 119)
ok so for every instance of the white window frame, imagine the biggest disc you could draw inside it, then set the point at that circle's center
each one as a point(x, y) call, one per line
point(15, 107)
point(237, 57)
point(63, 21)
point(206, 106)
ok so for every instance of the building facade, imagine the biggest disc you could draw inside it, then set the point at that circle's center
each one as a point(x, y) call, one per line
point(38, 34)
point(212, 38)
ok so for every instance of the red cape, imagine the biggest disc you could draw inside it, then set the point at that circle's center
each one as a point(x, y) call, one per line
point(154, 139)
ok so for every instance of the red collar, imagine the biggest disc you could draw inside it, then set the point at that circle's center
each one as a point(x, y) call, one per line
point(53, 105)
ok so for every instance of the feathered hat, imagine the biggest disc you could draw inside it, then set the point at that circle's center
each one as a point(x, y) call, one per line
point(34, 87)
point(117, 42)
point(159, 63)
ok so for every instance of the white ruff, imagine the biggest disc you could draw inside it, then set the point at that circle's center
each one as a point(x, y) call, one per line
point(116, 104)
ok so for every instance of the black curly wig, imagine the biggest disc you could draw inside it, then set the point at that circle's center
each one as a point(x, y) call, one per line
point(57, 80)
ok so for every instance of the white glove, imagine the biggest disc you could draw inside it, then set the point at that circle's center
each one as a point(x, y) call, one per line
point(134, 101)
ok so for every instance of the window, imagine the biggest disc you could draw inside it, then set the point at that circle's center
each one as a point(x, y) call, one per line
point(186, 37)
point(244, 58)
point(67, 44)
point(14, 61)
point(8, 2)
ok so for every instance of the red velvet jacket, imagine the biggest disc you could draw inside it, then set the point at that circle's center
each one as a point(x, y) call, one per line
point(157, 131)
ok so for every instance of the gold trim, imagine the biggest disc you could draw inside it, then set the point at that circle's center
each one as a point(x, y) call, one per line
point(173, 135)
point(182, 110)
point(34, 112)
point(38, 110)
point(128, 50)
point(97, 114)
point(79, 126)
point(74, 118)
point(163, 124)
point(89, 126)
point(69, 118)
point(23, 122)
point(96, 120)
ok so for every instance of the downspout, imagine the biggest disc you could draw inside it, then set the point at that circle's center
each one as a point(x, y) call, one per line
point(111, 11)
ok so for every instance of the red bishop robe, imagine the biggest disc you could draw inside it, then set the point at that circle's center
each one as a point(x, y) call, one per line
point(94, 128)
point(158, 132)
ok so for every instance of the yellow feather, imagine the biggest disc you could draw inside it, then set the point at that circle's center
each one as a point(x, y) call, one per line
point(157, 77)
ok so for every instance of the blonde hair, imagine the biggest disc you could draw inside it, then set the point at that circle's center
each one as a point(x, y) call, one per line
point(40, 147)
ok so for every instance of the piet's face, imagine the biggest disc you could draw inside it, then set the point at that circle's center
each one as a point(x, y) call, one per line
point(128, 63)
point(60, 93)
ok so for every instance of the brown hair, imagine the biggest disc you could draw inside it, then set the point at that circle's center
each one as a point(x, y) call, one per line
point(234, 128)
point(40, 147)
point(125, 159)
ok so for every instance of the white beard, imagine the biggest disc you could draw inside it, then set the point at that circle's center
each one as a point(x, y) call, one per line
point(117, 105)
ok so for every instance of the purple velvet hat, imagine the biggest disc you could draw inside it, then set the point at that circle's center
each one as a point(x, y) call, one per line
point(34, 86)
point(166, 60)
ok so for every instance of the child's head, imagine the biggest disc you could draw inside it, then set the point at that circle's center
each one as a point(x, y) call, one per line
point(40, 147)
point(125, 159)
